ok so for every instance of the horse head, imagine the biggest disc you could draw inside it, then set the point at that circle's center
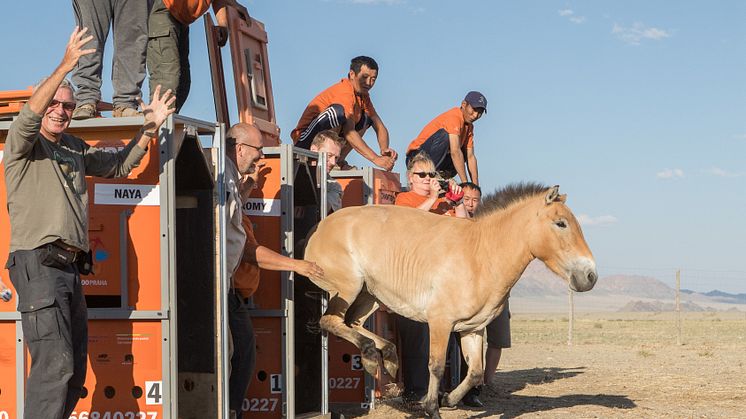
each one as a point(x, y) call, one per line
point(558, 241)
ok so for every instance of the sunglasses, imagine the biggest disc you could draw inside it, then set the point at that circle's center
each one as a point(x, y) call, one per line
point(257, 148)
point(68, 106)
point(425, 174)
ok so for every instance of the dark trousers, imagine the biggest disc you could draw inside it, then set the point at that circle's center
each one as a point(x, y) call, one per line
point(54, 318)
point(332, 118)
point(243, 360)
point(168, 54)
point(414, 340)
point(129, 20)
point(438, 148)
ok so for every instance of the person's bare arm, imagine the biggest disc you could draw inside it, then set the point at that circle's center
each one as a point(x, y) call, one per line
point(268, 259)
point(457, 156)
point(357, 142)
point(434, 192)
point(382, 133)
point(471, 159)
point(43, 95)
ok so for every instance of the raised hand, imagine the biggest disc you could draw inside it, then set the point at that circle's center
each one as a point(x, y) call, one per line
point(75, 50)
point(434, 187)
point(158, 110)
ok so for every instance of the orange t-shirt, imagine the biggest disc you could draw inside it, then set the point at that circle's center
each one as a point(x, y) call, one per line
point(453, 122)
point(414, 200)
point(187, 11)
point(341, 93)
point(246, 277)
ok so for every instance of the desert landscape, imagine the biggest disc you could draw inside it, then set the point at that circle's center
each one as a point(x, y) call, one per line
point(619, 365)
point(625, 359)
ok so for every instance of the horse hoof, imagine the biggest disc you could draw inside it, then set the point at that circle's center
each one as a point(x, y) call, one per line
point(370, 365)
point(391, 367)
point(445, 402)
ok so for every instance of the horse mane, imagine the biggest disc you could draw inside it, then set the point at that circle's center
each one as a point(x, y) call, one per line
point(508, 195)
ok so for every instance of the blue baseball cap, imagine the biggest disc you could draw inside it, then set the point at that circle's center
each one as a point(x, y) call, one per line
point(476, 100)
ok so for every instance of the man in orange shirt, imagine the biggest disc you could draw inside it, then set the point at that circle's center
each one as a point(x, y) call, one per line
point(347, 109)
point(449, 139)
point(168, 41)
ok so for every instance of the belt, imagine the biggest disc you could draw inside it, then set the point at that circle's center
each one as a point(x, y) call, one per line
point(74, 253)
point(64, 246)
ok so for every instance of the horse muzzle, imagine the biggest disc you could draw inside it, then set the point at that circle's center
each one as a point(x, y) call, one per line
point(583, 275)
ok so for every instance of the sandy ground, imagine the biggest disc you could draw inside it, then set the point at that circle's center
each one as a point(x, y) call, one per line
point(620, 365)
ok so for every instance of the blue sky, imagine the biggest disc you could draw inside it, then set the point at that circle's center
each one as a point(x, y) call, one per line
point(635, 108)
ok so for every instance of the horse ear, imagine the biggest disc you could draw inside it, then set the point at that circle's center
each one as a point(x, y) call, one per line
point(562, 198)
point(552, 194)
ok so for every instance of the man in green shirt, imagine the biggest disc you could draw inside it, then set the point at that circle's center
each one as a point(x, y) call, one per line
point(45, 171)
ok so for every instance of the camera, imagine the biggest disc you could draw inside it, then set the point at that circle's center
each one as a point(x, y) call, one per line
point(444, 184)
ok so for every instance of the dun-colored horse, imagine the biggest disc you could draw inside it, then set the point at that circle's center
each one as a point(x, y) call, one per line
point(453, 274)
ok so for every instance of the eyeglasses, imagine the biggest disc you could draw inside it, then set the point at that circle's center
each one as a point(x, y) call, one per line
point(257, 148)
point(68, 106)
point(423, 175)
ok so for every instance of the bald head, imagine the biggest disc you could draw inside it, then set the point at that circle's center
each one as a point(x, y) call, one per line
point(244, 133)
point(244, 146)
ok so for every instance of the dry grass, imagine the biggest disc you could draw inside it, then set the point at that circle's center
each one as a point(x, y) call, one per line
point(620, 365)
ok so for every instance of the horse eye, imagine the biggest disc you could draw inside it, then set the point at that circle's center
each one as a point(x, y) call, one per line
point(560, 223)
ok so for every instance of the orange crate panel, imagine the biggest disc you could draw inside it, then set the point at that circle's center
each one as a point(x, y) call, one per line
point(124, 370)
point(7, 369)
point(5, 239)
point(346, 374)
point(264, 397)
point(267, 232)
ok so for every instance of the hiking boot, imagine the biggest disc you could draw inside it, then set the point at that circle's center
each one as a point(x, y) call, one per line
point(124, 112)
point(85, 111)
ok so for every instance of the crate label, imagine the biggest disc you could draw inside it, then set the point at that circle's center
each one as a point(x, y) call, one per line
point(153, 393)
point(126, 194)
point(262, 207)
point(275, 384)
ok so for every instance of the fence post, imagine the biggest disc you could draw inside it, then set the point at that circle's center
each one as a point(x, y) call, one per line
point(571, 318)
point(678, 307)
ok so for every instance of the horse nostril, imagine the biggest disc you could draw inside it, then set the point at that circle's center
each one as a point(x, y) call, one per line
point(592, 276)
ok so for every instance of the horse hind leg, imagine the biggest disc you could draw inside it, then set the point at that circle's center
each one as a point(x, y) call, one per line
point(333, 322)
point(363, 306)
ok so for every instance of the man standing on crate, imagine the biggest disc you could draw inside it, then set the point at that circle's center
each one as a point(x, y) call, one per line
point(245, 256)
point(449, 139)
point(346, 108)
point(45, 171)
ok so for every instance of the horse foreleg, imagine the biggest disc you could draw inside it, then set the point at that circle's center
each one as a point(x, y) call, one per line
point(439, 335)
point(333, 322)
point(471, 346)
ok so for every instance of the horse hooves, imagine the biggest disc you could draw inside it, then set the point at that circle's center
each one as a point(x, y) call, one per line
point(391, 367)
point(370, 366)
point(445, 403)
point(435, 414)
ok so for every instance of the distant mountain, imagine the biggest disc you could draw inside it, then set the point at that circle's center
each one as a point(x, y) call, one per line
point(541, 290)
point(538, 280)
point(659, 306)
point(725, 297)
